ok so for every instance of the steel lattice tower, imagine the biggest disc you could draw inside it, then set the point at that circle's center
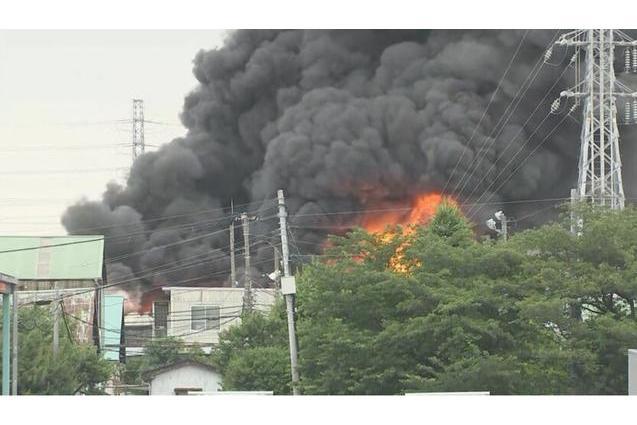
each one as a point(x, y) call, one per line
point(597, 89)
point(138, 128)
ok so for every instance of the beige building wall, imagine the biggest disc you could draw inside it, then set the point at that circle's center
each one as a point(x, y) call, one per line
point(229, 301)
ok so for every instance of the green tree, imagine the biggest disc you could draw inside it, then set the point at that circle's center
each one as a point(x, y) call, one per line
point(78, 368)
point(158, 353)
point(547, 312)
point(254, 356)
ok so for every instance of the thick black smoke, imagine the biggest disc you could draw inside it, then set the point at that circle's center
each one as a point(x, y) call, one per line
point(341, 120)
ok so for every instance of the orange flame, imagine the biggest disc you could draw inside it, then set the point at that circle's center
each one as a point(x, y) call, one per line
point(379, 222)
point(421, 211)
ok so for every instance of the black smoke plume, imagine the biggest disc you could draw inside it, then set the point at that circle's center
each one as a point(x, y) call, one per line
point(341, 120)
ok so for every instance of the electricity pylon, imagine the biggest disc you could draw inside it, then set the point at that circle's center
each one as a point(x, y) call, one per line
point(600, 177)
point(139, 145)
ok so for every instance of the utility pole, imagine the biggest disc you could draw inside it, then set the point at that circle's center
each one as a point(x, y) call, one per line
point(14, 344)
point(8, 286)
point(288, 289)
point(277, 269)
point(6, 326)
point(56, 322)
point(600, 177)
point(138, 128)
point(248, 296)
point(233, 269)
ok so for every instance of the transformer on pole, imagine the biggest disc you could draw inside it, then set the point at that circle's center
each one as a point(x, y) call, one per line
point(596, 88)
point(138, 128)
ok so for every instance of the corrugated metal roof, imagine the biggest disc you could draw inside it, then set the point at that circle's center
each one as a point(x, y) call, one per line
point(113, 314)
point(52, 257)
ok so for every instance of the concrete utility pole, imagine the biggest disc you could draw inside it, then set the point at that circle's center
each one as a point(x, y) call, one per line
point(277, 269)
point(6, 326)
point(248, 296)
point(233, 268)
point(288, 289)
point(7, 288)
point(56, 322)
point(14, 344)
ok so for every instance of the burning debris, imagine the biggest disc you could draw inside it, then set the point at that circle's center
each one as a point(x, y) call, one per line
point(342, 120)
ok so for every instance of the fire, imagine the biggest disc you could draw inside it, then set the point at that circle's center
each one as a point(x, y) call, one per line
point(381, 221)
point(422, 209)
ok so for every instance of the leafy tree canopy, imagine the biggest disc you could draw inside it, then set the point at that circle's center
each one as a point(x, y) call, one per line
point(77, 368)
point(547, 312)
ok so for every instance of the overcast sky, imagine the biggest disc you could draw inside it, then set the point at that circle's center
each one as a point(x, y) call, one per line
point(62, 93)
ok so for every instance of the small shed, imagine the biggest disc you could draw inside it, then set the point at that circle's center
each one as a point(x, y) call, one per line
point(183, 378)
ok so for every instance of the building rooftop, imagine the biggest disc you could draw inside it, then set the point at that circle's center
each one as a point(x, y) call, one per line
point(52, 257)
point(150, 374)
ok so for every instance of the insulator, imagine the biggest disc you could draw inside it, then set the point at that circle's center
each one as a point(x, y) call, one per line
point(634, 111)
point(548, 54)
point(627, 112)
point(574, 107)
point(627, 67)
point(634, 59)
point(555, 105)
point(573, 58)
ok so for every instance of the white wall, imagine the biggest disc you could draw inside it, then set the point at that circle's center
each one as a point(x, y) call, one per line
point(228, 299)
point(186, 376)
point(632, 372)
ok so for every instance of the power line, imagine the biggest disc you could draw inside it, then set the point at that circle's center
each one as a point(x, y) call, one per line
point(512, 173)
point(61, 171)
point(487, 108)
point(199, 212)
point(522, 127)
point(503, 121)
point(122, 282)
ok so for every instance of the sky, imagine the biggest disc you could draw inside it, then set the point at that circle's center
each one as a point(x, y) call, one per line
point(64, 96)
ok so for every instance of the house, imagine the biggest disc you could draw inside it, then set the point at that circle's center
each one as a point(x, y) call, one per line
point(183, 378)
point(196, 315)
point(69, 268)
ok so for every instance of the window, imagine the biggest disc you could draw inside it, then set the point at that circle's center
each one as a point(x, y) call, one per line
point(204, 317)
point(160, 313)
